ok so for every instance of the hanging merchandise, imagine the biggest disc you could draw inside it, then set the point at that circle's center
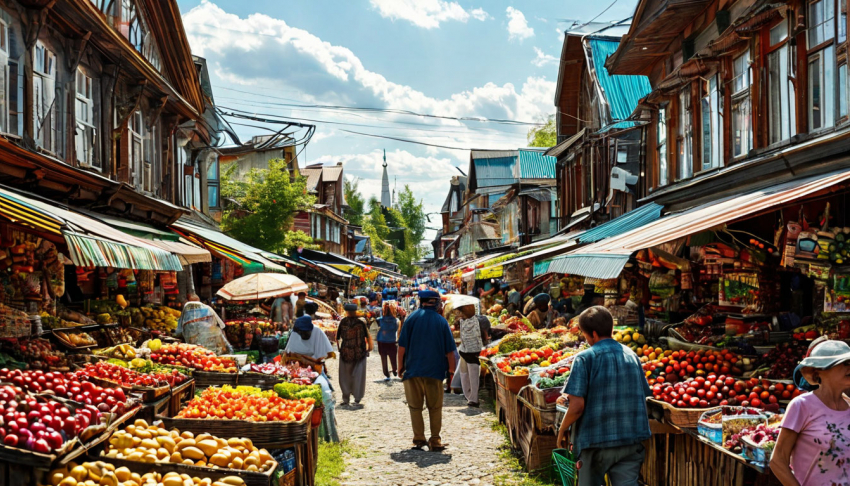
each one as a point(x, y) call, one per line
point(168, 281)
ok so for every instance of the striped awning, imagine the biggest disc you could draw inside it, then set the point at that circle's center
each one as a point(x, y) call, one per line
point(90, 242)
point(224, 246)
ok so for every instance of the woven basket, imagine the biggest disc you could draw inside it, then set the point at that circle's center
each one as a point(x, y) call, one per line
point(681, 417)
point(270, 435)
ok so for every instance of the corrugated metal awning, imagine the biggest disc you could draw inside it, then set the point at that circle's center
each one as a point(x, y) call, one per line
point(542, 194)
point(622, 92)
point(627, 222)
point(533, 164)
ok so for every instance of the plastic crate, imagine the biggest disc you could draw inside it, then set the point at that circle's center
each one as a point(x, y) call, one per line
point(564, 462)
point(712, 432)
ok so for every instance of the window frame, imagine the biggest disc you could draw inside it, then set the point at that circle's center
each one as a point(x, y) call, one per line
point(662, 145)
point(711, 97)
point(739, 97)
point(85, 131)
point(44, 71)
point(787, 107)
point(685, 135)
point(827, 89)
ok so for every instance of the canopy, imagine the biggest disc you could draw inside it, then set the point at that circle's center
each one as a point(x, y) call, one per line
point(90, 242)
point(606, 258)
point(261, 286)
point(455, 301)
point(226, 246)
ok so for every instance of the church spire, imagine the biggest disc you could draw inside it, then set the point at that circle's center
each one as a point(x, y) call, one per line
point(385, 185)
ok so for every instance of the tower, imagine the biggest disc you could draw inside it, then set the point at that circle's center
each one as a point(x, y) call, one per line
point(386, 202)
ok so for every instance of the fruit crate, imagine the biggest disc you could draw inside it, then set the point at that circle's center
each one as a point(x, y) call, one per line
point(543, 416)
point(180, 395)
point(755, 453)
point(147, 394)
point(259, 380)
point(206, 379)
point(250, 478)
point(680, 417)
point(709, 430)
point(269, 435)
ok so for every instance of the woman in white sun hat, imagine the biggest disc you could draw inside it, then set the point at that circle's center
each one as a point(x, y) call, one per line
point(813, 447)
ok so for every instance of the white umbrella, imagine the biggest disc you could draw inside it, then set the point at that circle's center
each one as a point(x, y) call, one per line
point(261, 286)
point(455, 301)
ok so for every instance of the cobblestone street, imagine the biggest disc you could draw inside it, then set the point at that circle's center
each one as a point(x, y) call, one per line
point(380, 433)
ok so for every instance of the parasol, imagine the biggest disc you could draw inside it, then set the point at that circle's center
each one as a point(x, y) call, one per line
point(259, 286)
point(454, 301)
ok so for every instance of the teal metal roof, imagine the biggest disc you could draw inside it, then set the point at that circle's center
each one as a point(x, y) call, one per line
point(627, 222)
point(622, 92)
point(593, 266)
point(617, 126)
point(534, 165)
point(494, 172)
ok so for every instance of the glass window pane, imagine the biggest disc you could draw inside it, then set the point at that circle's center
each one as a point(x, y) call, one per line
point(779, 33)
point(815, 94)
point(212, 170)
point(213, 196)
point(842, 90)
point(828, 86)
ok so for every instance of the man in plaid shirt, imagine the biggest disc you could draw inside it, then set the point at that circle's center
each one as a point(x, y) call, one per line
point(607, 393)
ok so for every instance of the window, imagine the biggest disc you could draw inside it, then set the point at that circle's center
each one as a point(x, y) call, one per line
point(742, 129)
point(781, 92)
point(46, 119)
point(842, 90)
point(712, 125)
point(85, 133)
point(685, 162)
point(822, 88)
point(661, 146)
point(136, 129)
point(133, 27)
point(212, 183)
point(821, 26)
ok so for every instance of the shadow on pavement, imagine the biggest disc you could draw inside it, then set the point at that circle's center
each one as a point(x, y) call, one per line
point(422, 459)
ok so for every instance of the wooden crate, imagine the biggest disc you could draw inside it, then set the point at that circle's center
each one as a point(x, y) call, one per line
point(14, 474)
point(179, 396)
point(536, 446)
point(270, 435)
point(150, 411)
point(543, 418)
point(250, 478)
point(507, 409)
point(206, 379)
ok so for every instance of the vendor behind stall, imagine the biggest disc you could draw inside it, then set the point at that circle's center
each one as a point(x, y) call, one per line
point(542, 315)
point(199, 324)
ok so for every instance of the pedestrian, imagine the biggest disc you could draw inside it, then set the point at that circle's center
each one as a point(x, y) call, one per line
point(280, 312)
point(300, 303)
point(425, 354)
point(813, 447)
point(514, 300)
point(354, 343)
point(607, 393)
point(472, 339)
point(307, 339)
point(541, 316)
point(387, 338)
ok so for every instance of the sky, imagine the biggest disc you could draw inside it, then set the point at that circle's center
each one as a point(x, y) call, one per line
point(451, 60)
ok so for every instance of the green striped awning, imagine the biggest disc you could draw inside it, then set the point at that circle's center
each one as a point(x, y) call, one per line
point(91, 251)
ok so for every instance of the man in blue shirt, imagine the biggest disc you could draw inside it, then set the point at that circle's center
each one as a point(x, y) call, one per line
point(426, 351)
point(607, 393)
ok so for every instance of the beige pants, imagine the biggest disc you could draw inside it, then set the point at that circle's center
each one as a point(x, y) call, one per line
point(421, 392)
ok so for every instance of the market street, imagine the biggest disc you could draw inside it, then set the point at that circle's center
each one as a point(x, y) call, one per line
point(381, 432)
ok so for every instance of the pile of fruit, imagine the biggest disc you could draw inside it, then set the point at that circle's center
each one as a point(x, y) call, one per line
point(41, 354)
point(553, 378)
point(542, 357)
point(256, 406)
point(163, 319)
point(781, 360)
point(630, 338)
point(192, 356)
point(671, 366)
point(516, 342)
point(75, 339)
point(762, 436)
point(712, 390)
point(294, 391)
point(507, 369)
point(239, 332)
point(106, 474)
point(42, 426)
point(123, 351)
point(517, 324)
point(149, 443)
point(129, 378)
point(66, 385)
point(119, 334)
point(293, 372)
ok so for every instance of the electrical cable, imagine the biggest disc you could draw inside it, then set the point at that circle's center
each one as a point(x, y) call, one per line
point(404, 140)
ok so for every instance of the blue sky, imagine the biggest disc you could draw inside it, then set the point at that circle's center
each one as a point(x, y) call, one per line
point(486, 58)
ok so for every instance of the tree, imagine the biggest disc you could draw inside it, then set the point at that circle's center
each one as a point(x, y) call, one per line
point(544, 136)
point(267, 202)
point(356, 204)
point(413, 214)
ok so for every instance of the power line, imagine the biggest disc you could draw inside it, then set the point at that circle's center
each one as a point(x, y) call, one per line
point(404, 140)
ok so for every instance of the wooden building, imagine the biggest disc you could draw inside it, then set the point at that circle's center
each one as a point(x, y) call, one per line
point(102, 106)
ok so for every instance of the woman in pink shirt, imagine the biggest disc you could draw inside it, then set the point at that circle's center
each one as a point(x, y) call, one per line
point(813, 447)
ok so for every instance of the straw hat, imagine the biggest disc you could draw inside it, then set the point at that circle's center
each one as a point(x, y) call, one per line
point(824, 355)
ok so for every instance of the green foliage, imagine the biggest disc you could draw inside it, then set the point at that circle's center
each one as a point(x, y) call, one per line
point(544, 136)
point(332, 462)
point(413, 215)
point(356, 204)
point(293, 240)
point(267, 202)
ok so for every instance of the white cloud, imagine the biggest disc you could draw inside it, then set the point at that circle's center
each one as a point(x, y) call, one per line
point(543, 59)
point(310, 69)
point(427, 14)
point(517, 25)
point(480, 14)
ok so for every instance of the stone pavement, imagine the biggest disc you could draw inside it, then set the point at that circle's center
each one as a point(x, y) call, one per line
point(380, 433)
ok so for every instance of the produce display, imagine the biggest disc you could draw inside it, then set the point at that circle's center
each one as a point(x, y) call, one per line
point(245, 403)
point(42, 425)
point(129, 378)
point(151, 443)
point(294, 391)
point(542, 357)
point(762, 436)
point(101, 473)
point(293, 372)
point(713, 390)
point(781, 360)
point(118, 334)
point(671, 366)
point(67, 385)
point(553, 378)
point(41, 354)
point(239, 332)
point(123, 351)
point(75, 339)
point(192, 356)
point(162, 319)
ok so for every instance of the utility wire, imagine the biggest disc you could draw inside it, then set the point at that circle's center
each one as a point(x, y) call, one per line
point(404, 140)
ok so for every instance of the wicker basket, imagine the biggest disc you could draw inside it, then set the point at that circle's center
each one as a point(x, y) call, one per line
point(270, 435)
point(544, 415)
point(681, 417)
point(250, 478)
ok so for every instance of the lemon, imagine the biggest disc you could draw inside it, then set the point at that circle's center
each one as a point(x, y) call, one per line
point(626, 339)
point(618, 337)
point(155, 344)
point(545, 364)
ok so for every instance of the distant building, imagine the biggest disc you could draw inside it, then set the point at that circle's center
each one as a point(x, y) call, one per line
point(386, 200)
point(325, 222)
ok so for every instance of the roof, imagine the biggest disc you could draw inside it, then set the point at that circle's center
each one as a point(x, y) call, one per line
point(331, 173)
point(313, 175)
point(493, 172)
point(456, 188)
point(627, 222)
point(533, 164)
point(484, 231)
point(621, 92)
point(562, 147)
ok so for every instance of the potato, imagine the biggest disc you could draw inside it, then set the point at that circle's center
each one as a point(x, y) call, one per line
point(235, 442)
point(192, 453)
point(232, 480)
point(123, 474)
point(150, 444)
point(140, 423)
point(185, 443)
point(236, 463)
point(219, 460)
point(166, 443)
point(207, 446)
point(176, 458)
